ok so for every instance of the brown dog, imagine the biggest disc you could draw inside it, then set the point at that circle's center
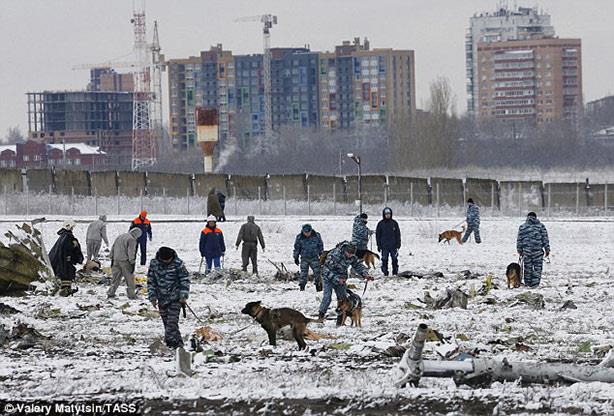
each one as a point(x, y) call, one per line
point(352, 307)
point(272, 320)
point(513, 275)
point(368, 257)
point(450, 234)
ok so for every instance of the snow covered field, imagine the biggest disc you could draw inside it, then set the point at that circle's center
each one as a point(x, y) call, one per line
point(100, 349)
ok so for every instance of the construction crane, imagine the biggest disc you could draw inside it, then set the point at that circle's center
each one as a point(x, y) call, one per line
point(268, 21)
point(157, 68)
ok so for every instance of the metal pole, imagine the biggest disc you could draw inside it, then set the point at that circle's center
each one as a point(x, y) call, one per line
point(72, 200)
point(50, 191)
point(334, 198)
point(411, 199)
point(549, 198)
point(118, 197)
point(285, 205)
point(437, 186)
point(577, 198)
point(386, 194)
point(605, 199)
point(492, 198)
point(360, 186)
point(6, 201)
point(96, 200)
point(234, 197)
point(164, 198)
point(259, 202)
point(27, 202)
point(308, 200)
point(520, 199)
point(141, 198)
point(188, 195)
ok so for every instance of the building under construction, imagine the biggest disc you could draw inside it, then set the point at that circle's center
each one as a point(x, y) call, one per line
point(97, 118)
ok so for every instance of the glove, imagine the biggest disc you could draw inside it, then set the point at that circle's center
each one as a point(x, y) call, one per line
point(182, 301)
point(379, 249)
point(342, 281)
point(154, 303)
point(236, 247)
point(520, 253)
point(296, 261)
point(547, 253)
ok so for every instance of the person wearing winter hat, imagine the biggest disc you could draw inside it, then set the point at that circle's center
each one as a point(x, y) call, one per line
point(473, 222)
point(144, 224)
point(168, 288)
point(361, 234)
point(532, 243)
point(308, 245)
point(64, 255)
point(96, 234)
point(211, 245)
point(388, 238)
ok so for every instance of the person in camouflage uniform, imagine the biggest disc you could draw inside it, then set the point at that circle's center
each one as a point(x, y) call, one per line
point(531, 244)
point(473, 222)
point(308, 246)
point(360, 233)
point(335, 273)
point(168, 287)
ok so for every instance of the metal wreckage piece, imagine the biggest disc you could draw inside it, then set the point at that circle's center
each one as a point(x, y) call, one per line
point(482, 372)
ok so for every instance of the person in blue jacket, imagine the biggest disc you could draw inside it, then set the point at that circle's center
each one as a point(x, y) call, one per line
point(212, 246)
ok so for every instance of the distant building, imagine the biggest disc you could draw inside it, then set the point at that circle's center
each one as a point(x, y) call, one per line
point(106, 79)
point(535, 80)
point(36, 155)
point(308, 89)
point(97, 118)
point(601, 112)
point(499, 26)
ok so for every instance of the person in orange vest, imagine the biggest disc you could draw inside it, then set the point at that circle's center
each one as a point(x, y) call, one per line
point(145, 225)
point(212, 246)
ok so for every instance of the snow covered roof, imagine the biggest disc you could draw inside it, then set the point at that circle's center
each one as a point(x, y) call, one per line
point(8, 147)
point(84, 149)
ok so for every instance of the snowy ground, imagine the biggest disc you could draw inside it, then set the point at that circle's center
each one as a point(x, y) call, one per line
point(103, 352)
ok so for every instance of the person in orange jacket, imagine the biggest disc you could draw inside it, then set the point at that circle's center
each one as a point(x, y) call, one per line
point(145, 225)
point(211, 244)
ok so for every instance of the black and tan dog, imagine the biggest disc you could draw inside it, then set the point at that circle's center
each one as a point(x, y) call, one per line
point(272, 320)
point(451, 234)
point(513, 274)
point(352, 307)
point(367, 256)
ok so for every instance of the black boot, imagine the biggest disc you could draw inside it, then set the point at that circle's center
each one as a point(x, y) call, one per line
point(301, 287)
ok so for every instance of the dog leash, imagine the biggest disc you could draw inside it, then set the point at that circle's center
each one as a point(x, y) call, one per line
point(192, 312)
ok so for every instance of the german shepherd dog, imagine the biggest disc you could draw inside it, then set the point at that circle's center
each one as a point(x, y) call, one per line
point(272, 320)
point(513, 273)
point(352, 307)
point(366, 256)
point(450, 234)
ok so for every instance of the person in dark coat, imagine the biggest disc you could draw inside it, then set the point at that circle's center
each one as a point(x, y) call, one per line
point(168, 287)
point(473, 222)
point(308, 246)
point(250, 234)
point(388, 238)
point(65, 253)
point(222, 200)
point(212, 246)
point(144, 224)
point(213, 205)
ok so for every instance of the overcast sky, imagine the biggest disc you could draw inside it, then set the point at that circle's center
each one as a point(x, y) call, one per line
point(41, 40)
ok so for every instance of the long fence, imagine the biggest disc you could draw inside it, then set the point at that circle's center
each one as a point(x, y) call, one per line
point(50, 191)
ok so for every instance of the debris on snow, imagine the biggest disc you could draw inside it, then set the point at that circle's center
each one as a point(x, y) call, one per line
point(7, 309)
point(453, 298)
point(534, 300)
point(24, 337)
point(569, 305)
point(429, 275)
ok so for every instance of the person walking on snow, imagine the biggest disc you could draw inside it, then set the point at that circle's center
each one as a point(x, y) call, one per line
point(308, 246)
point(213, 205)
point(361, 234)
point(143, 223)
point(532, 242)
point(96, 234)
point(123, 259)
point(168, 288)
point(250, 234)
point(65, 253)
point(473, 222)
point(388, 239)
point(222, 200)
point(212, 246)
point(335, 274)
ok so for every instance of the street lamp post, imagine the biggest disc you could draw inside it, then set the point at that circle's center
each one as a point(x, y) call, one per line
point(356, 160)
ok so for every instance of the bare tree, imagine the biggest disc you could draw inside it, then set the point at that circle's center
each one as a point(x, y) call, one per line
point(14, 135)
